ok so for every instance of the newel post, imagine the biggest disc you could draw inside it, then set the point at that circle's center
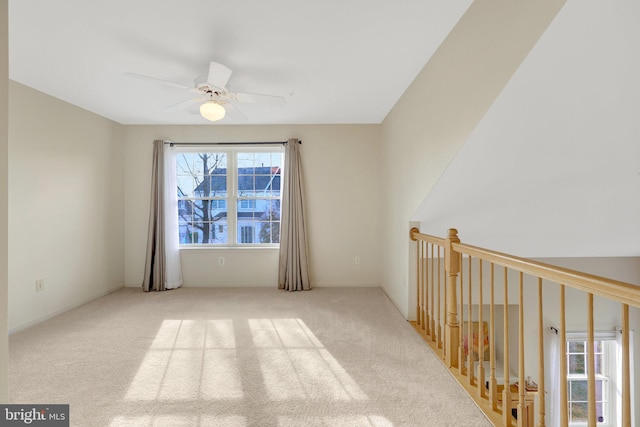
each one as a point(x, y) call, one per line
point(452, 326)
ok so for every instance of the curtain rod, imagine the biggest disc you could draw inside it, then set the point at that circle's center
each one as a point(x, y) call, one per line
point(195, 144)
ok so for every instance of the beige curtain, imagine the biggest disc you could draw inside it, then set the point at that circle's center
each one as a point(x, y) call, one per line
point(162, 269)
point(294, 260)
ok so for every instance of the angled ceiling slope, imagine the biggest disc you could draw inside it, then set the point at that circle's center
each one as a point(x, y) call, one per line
point(553, 169)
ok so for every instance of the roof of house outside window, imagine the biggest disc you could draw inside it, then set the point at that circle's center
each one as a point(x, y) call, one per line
point(265, 178)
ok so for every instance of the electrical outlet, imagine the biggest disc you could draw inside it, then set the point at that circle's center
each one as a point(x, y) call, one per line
point(39, 285)
point(221, 260)
point(357, 260)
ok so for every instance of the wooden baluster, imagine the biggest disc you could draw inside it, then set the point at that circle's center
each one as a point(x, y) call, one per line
point(461, 360)
point(439, 302)
point(626, 369)
point(418, 283)
point(421, 296)
point(433, 285)
point(443, 283)
point(564, 409)
point(541, 403)
point(470, 361)
point(521, 379)
point(506, 393)
point(480, 384)
point(493, 384)
point(591, 362)
point(452, 327)
point(425, 324)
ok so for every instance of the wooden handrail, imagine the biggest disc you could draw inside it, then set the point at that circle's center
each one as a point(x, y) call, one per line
point(623, 292)
point(416, 235)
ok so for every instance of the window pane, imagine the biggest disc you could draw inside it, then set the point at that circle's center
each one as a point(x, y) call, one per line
point(269, 232)
point(245, 211)
point(246, 234)
point(210, 163)
point(184, 232)
point(600, 416)
point(579, 412)
point(246, 185)
point(186, 185)
point(263, 216)
point(579, 390)
point(207, 233)
point(598, 364)
point(193, 235)
point(597, 346)
point(185, 164)
point(221, 236)
point(260, 159)
point(576, 364)
point(201, 174)
point(212, 186)
point(200, 210)
point(576, 347)
point(184, 210)
point(600, 390)
point(274, 209)
point(246, 160)
point(259, 208)
point(259, 174)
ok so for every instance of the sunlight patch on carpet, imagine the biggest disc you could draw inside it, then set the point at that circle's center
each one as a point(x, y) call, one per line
point(294, 363)
point(197, 359)
point(179, 421)
point(188, 360)
point(352, 421)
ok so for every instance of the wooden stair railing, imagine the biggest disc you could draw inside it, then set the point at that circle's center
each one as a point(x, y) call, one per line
point(504, 401)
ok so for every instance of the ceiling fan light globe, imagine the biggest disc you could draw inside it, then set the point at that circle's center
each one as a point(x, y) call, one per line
point(212, 111)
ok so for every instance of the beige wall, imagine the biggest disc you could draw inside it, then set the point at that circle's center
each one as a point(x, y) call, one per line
point(65, 206)
point(437, 113)
point(342, 179)
point(4, 142)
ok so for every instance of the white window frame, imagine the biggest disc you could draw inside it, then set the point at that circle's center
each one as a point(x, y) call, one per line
point(608, 374)
point(232, 199)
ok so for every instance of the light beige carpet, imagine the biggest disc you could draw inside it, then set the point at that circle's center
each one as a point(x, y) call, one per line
point(237, 357)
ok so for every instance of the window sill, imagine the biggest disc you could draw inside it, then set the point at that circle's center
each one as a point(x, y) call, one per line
point(229, 248)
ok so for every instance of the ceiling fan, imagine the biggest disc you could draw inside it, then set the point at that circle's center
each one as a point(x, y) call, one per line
point(213, 94)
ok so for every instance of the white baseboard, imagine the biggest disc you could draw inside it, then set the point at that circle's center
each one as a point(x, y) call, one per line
point(395, 303)
point(343, 285)
point(62, 310)
point(272, 285)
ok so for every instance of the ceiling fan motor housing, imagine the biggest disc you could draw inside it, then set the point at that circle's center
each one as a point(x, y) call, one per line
point(203, 86)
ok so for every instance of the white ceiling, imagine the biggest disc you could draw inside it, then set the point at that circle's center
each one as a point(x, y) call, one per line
point(334, 61)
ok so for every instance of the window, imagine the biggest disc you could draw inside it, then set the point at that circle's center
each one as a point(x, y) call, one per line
point(577, 388)
point(229, 197)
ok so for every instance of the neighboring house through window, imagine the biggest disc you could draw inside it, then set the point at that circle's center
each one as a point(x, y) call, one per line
point(229, 196)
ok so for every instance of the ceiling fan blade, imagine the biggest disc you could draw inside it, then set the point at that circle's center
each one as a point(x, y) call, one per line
point(234, 114)
point(184, 104)
point(218, 75)
point(153, 79)
point(254, 98)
